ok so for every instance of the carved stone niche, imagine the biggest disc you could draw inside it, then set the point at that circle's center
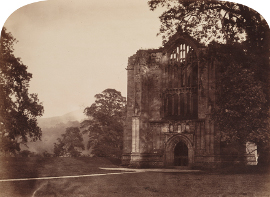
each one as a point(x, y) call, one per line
point(165, 128)
point(184, 127)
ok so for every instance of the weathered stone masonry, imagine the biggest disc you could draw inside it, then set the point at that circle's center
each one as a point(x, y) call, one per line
point(170, 94)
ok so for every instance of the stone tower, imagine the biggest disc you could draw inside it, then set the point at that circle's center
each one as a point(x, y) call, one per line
point(170, 94)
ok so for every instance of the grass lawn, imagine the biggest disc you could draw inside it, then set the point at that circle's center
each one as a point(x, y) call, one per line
point(135, 184)
point(26, 167)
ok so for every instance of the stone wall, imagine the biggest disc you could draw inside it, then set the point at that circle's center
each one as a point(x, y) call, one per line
point(154, 131)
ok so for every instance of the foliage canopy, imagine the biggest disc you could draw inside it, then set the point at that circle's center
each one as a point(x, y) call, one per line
point(70, 144)
point(106, 123)
point(18, 109)
point(211, 20)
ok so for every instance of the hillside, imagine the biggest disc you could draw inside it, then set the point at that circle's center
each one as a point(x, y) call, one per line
point(53, 121)
point(52, 128)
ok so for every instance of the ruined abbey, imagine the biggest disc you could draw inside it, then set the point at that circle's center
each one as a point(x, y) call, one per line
point(170, 94)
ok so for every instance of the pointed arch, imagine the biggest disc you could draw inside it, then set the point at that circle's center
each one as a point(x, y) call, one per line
point(181, 78)
point(170, 147)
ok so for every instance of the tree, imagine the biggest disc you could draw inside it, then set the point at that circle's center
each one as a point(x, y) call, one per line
point(105, 124)
point(70, 144)
point(241, 111)
point(18, 109)
point(221, 21)
point(242, 56)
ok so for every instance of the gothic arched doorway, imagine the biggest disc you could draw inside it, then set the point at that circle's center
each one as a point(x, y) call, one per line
point(181, 154)
point(179, 151)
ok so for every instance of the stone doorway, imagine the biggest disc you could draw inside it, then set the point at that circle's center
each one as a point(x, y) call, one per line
point(179, 151)
point(181, 154)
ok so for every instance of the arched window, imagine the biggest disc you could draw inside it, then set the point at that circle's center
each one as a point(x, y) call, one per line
point(181, 82)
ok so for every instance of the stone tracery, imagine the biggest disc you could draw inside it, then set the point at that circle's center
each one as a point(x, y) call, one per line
point(180, 84)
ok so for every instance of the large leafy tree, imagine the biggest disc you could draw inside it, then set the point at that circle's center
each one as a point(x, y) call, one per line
point(18, 108)
point(222, 21)
point(219, 21)
point(241, 110)
point(106, 123)
point(71, 143)
point(242, 56)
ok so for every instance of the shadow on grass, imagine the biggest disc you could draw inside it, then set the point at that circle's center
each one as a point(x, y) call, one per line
point(19, 167)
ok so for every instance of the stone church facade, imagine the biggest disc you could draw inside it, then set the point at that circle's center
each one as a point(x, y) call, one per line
point(170, 94)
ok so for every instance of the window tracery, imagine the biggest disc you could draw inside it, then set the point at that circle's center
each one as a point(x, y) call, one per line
point(181, 84)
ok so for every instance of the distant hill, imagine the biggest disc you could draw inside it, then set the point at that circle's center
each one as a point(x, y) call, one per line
point(52, 128)
point(77, 115)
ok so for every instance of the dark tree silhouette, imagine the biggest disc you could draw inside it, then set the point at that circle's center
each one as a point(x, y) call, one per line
point(70, 144)
point(105, 124)
point(18, 109)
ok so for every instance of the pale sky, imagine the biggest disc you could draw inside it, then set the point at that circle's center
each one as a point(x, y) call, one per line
point(78, 48)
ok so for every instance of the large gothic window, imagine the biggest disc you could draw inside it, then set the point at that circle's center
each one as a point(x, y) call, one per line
point(180, 96)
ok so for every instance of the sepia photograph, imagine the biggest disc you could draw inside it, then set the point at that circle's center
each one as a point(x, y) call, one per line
point(134, 98)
